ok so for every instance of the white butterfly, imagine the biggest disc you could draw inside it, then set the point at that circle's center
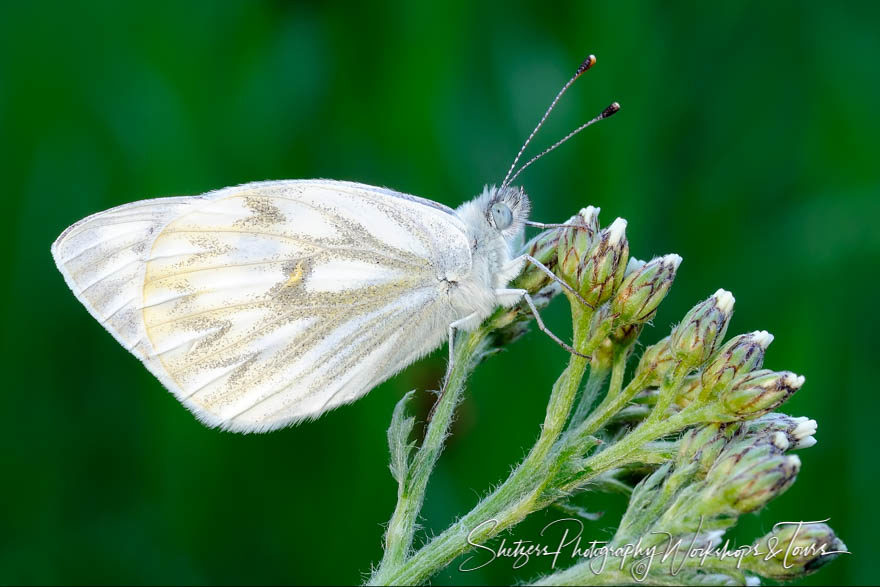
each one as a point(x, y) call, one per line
point(272, 302)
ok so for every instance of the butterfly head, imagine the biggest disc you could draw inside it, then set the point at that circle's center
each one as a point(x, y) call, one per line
point(506, 209)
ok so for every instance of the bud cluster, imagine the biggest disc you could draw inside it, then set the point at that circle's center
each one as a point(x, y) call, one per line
point(736, 457)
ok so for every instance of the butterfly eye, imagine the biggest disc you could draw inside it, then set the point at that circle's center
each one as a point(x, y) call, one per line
point(502, 215)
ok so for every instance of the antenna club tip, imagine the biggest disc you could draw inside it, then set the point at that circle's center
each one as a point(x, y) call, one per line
point(611, 110)
point(587, 64)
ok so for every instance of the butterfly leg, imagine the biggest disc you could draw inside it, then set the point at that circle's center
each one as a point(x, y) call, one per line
point(517, 294)
point(554, 277)
point(543, 226)
point(465, 322)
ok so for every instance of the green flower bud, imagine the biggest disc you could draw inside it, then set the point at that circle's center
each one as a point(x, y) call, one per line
point(603, 356)
point(704, 444)
point(656, 362)
point(767, 480)
point(594, 266)
point(626, 334)
point(688, 391)
point(744, 481)
point(543, 248)
point(643, 288)
point(741, 354)
point(695, 339)
point(739, 454)
point(784, 431)
point(606, 264)
point(794, 549)
point(573, 243)
point(759, 392)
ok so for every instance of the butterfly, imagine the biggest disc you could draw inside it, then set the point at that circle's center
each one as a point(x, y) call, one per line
point(268, 303)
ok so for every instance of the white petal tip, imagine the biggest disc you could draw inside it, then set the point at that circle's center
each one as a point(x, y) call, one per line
point(806, 442)
point(724, 300)
point(805, 427)
point(791, 380)
point(673, 259)
point(763, 338)
point(590, 214)
point(780, 440)
point(616, 231)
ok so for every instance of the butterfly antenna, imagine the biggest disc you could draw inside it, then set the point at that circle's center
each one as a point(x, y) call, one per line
point(609, 111)
point(587, 64)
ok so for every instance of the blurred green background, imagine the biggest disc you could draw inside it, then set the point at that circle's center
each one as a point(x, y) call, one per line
point(747, 143)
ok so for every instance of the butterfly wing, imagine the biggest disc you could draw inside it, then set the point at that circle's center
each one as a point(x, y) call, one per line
point(271, 302)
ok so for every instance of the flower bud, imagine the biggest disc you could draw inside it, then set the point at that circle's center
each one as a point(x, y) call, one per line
point(543, 248)
point(745, 480)
point(704, 444)
point(688, 391)
point(573, 243)
point(625, 335)
point(603, 355)
point(656, 362)
point(795, 549)
point(759, 392)
point(784, 431)
point(594, 267)
point(765, 481)
point(742, 354)
point(703, 327)
point(643, 288)
point(737, 455)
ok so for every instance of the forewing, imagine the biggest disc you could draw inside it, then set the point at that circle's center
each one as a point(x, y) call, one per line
point(268, 303)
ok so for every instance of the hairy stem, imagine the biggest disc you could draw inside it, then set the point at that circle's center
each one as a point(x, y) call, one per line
point(402, 525)
point(594, 384)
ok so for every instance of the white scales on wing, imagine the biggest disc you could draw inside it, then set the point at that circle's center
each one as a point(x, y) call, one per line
point(271, 302)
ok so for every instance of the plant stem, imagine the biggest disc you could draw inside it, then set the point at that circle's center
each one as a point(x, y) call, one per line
point(520, 495)
point(591, 390)
point(617, 370)
point(402, 525)
point(620, 452)
point(610, 406)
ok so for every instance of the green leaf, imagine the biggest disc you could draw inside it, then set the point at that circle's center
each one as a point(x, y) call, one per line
point(398, 439)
